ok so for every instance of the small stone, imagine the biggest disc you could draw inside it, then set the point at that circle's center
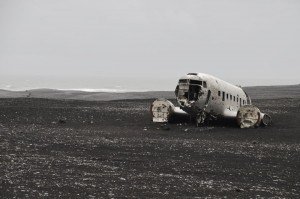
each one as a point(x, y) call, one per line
point(61, 121)
point(165, 127)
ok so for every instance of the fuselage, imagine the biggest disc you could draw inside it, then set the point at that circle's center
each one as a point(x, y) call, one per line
point(199, 92)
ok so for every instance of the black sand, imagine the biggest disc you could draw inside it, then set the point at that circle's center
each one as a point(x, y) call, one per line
point(64, 148)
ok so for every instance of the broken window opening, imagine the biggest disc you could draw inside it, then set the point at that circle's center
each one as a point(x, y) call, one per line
point(223, 96)
point(186, 95)
point(197, 82)
point(219, 93)
point(204, 84)
point(234, 98)
point(193, 92)
point(230, 97)
point(227, 96)
point(183, 81)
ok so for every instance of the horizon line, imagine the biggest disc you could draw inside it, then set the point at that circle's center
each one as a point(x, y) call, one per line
point(114, 90)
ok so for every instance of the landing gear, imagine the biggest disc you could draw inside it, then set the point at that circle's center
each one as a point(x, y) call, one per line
point(200, 119)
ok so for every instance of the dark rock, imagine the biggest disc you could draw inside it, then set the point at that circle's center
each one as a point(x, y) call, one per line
point(62, 121)
point(165, 127)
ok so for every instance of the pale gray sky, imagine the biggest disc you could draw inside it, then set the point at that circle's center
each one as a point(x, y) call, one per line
point(147, 44)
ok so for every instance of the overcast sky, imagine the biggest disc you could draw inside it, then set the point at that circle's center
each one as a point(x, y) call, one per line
point(147, 44)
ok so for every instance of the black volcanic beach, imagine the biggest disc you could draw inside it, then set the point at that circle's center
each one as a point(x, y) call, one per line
point(107, 147)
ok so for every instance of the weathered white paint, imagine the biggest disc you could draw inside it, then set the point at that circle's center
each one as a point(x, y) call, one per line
point(204, 96)
point(214, 105)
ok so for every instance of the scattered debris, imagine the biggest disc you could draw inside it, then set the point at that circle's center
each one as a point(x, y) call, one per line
point(162, 110)
point(250, 116)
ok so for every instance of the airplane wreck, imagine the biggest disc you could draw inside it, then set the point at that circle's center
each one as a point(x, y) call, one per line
point(203, 98)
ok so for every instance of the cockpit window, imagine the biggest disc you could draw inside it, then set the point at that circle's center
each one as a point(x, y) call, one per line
point(194, 92)
point(195, 82)
point(183, 81)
